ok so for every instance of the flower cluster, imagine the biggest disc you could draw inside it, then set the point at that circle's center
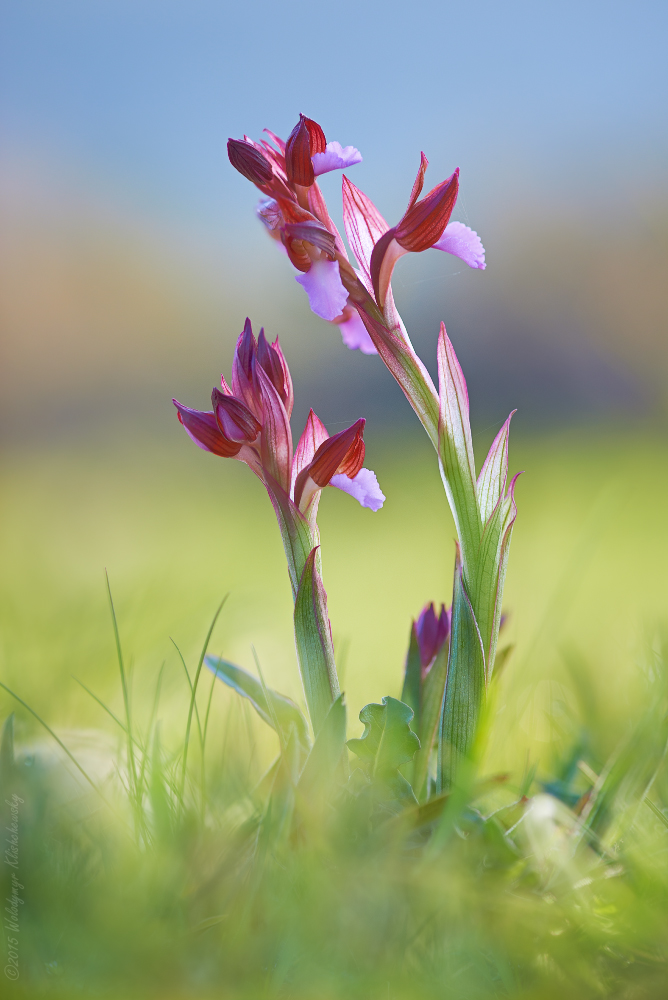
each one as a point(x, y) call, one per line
point(294, 211)
point(451, 654)
point(251, 422)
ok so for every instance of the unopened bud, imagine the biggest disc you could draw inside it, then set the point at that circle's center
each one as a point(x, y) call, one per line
point(424, 223)
point(249, 161)
point(431, 633)
point(235, 421)
point(306, 139)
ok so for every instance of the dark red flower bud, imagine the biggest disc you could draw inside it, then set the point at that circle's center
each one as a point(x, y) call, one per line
point(249, 161)
point(422, 225)
point(242, 370)
point(341, 454)
point(246, 347)
point(317, 137)
point(273, 362)
point(203, 428)
point(431, 633)
point(235, 421)
point(306, 139)
point(425, 221)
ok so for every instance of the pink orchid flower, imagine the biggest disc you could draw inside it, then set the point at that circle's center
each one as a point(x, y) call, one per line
point(425, 225)
point(295, 213)
point(251, 422)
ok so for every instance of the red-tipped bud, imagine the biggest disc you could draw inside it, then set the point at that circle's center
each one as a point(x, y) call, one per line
point(425, 221)
point(423, 225)
point(249, 161)
point(235, 421)
point(270, 358)
point(316, 135)
point(203, 429)
point(287, 394)
point(341, 454)
point(246, 347)
point(306, 139)
point(242, 371)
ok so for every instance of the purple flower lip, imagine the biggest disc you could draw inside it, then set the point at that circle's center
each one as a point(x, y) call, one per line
point(335, 157)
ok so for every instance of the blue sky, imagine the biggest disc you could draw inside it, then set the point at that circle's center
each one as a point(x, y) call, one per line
point(532, 100)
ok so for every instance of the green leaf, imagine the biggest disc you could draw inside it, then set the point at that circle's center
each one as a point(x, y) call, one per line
point(313, 637)
point(491, 484)
point(455, 451)
point(433, 688)
point(297, 537)
point(498, 596)
point(387, 743)
point(486, 585)
point(465, 688)
point(411, 693)
point(327, 751)
point(282, 709)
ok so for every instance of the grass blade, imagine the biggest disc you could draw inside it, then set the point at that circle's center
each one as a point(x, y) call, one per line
point(194, 695)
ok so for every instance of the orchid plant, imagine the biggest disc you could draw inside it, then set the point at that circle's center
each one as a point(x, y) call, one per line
point(451, 655)
point(251, 422)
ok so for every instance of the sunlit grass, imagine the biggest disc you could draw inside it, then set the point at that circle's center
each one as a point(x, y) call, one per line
point(176, 531)
point(185, 913)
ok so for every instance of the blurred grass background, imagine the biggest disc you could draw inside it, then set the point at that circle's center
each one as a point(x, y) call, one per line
point(177, 530)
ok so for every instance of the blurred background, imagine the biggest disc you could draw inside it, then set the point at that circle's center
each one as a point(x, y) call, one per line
point(131, 256)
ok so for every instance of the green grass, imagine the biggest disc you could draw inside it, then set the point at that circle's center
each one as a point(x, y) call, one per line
point(177, 530)
point(187, 913)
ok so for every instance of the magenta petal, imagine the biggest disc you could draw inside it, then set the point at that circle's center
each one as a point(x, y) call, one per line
point(364, 488)
point(464, 243)
point(326, 294)
point(355, 335)
point(335, 158)
point(202, 428)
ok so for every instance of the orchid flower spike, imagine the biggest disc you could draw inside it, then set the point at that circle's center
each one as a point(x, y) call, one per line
point(295, 213)
point(251, 422)
point(425, 224)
